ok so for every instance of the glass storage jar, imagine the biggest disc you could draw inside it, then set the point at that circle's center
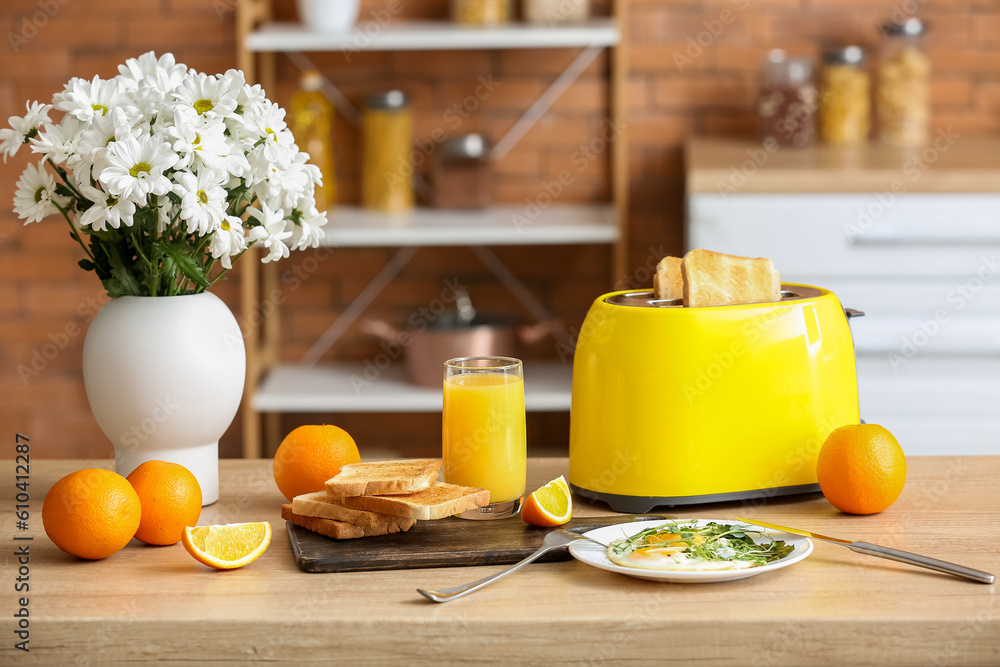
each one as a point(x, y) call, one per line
point(556, 12)
point(845, 105)
point(788, 100)
point(387, 139)
point(461, 174)
point(902, 100)
point(481, 12)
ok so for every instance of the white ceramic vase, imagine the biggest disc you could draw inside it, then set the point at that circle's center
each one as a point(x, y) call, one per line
point(329, 16)
point(164, 377)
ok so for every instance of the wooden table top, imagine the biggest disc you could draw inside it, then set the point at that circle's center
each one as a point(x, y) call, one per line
point(835, 607)
point(950, 163)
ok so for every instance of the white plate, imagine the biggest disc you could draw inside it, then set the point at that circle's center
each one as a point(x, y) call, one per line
point(596, 555)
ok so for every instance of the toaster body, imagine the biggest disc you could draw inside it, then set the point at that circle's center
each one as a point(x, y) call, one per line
point(675, 406)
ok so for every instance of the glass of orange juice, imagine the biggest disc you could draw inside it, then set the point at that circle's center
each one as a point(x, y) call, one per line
point(483, 443)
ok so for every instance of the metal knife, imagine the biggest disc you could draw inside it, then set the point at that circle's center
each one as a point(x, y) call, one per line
point(891, 554)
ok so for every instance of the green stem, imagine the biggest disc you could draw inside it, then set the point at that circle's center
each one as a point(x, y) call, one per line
point(61, 173)
point(74, 232)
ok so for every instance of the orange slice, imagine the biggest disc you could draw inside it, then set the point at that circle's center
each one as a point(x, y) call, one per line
point(550, 505)
point(227, 547)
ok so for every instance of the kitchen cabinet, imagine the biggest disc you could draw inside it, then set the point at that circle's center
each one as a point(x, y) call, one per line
point(307, 385)
point(912, 241)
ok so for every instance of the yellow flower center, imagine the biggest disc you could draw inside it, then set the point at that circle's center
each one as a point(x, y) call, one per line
point(38, 194)
point(202, 197)
point(141, 168)
point(197, 140)
point(100, 107)
point(203, 106)
point(225, 225)
point(273, 134)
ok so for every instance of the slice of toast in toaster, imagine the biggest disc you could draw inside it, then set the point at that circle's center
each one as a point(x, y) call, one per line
point(667, 281)
point(715, 279)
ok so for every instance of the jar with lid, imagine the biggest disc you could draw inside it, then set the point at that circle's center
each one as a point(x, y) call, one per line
point(481, 12)
point(556, 12)
point(788, 100)
point(902, 101)
point(387, 139)
point(461, 174)
point(845, 107)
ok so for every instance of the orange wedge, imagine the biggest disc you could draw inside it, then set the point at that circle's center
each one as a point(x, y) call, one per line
point(227, 547)
point(550, 505)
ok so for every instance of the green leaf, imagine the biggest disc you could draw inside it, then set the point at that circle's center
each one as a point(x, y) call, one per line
point(123, 274)
point(190, 268)
point(87, 265)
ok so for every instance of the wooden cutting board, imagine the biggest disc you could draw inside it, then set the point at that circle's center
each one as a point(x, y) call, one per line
point(447, 542)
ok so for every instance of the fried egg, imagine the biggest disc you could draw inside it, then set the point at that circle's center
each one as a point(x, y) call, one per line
point(667, 553)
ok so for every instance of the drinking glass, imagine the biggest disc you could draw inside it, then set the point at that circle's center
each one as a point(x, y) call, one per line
point(483, 443)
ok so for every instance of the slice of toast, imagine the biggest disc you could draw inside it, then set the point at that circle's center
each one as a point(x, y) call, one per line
point(435, 502)
point(715, 279)
point(667, 281)
point(370, 478)
point(339, 530)
point(322, 506)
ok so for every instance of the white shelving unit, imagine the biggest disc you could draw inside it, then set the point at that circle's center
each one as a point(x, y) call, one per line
point(309, 386)
point(354, 227)
point(432, 35)
point(342, 387)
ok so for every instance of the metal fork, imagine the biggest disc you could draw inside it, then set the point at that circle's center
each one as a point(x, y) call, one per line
point(553, 540)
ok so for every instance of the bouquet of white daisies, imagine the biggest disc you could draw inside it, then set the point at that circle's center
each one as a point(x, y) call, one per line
point(170, 175)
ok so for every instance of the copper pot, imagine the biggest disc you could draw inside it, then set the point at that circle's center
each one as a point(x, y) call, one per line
point(428, 348)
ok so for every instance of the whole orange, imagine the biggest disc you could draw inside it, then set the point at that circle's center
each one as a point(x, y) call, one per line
point(861, 468)
point(171, 501)
point(310, 455)
point(91, 513)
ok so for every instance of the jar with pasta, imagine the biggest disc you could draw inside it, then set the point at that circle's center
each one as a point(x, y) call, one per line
point(480, 12)
point(902, 101)
point(845, 106)
point(387, 139)
point(556, 12)
point(788, 100)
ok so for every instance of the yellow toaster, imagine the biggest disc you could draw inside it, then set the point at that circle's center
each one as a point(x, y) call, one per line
point(677, 406)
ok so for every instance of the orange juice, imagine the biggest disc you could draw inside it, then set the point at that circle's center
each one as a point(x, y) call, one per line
point(484, 440)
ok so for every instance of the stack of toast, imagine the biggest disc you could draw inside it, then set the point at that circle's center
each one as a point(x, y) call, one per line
point(706, 278)
point(381, 497)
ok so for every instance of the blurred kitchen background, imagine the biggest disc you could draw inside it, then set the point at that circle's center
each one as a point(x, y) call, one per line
point(682, 86)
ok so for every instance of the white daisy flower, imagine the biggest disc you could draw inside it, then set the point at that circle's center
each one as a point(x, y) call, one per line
point(58, 142)
point(228, 240)
point(203, 200)
point(201, 142)
point(23, 128)
point(271, 232)
point(116, 126)
point(210, 96)
point(308, 230)
point(107, 210)
point(36, 190)
point(165, 214)
point(267, 121)
point(135, 168)
point(86, 99)
point(163, 73)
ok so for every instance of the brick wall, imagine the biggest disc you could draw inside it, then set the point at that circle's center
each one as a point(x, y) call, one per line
point(46, 301)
